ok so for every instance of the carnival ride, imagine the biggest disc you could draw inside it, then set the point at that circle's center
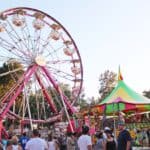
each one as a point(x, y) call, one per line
point(48, 57)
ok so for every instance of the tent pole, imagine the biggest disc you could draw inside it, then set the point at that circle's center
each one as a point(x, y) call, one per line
point(114, 121)
point(104, 117)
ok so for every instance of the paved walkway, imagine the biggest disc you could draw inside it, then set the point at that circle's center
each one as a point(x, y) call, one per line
point(141, 148)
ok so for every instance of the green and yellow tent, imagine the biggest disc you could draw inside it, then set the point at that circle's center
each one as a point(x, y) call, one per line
point(124, 99)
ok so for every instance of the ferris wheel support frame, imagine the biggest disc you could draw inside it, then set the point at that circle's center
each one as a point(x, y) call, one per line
point(27, 75)
point(62, 96)
point(47, 96)
point(56, 86)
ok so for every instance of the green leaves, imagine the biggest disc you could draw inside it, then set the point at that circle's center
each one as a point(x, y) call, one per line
point(107, 83)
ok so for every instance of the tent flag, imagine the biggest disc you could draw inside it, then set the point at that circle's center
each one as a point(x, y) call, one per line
point(120, 77)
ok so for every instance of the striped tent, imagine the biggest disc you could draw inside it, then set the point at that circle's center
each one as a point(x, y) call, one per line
point(124, 99)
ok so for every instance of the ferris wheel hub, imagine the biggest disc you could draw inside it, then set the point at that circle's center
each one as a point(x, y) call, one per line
point(40, 60)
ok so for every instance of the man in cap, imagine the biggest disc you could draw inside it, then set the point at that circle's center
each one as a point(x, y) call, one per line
point(84, 141)
point(124, 138)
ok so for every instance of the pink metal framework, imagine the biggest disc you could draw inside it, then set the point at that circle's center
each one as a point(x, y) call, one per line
point(57, 88)
point(7, 106)
point(27, 75)
point(32, 68)
point(73, 61)
point(47, 96)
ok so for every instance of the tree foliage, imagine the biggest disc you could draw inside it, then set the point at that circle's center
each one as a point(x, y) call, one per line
point(82, 102)
point(146, 93)
point(8, 80)
point(39, 106)
point(107, 83)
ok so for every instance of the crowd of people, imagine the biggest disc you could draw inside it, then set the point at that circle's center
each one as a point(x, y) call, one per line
point(105, 140)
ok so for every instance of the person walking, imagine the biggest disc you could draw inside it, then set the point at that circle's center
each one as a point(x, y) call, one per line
point(148, 135)
point(36, 143)
point(63, 142)
point(23, 140)
point(14, 144)
point(4, 143)
point(70, 141)
point(100, 141)
point(52, 144)
point(124, 138)
point(84, 141)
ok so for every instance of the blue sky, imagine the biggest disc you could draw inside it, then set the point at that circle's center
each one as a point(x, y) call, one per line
point(107, 33)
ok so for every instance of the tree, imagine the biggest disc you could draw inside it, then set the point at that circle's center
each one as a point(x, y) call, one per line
point(107, 83)
point(39, 105)
point(82, 102)
point(146, 94)
point(9, 78)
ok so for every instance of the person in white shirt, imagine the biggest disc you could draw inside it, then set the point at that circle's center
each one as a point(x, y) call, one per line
point(84, 141)
point(52, 143)
point(36, 143)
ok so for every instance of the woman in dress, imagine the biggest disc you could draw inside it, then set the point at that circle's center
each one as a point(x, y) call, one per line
point(109, 143)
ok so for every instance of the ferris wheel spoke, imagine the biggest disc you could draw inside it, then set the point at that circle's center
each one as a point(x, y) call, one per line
point(60, 71)
point(4, 59)
point(59, 61)
point(54, 51)
point(27, 35)
point(44, 45)
point(61, 76)
point(36, 40)
point(9, 47)
point(51, 50)
point(14, 36)
point(26, 38)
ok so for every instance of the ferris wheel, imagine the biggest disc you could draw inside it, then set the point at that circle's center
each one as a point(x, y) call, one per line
point(48, 61)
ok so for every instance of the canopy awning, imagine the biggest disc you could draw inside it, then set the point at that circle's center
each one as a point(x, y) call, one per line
point(123, 98)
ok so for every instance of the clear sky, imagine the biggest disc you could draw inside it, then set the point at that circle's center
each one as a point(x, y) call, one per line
point(107, 33)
